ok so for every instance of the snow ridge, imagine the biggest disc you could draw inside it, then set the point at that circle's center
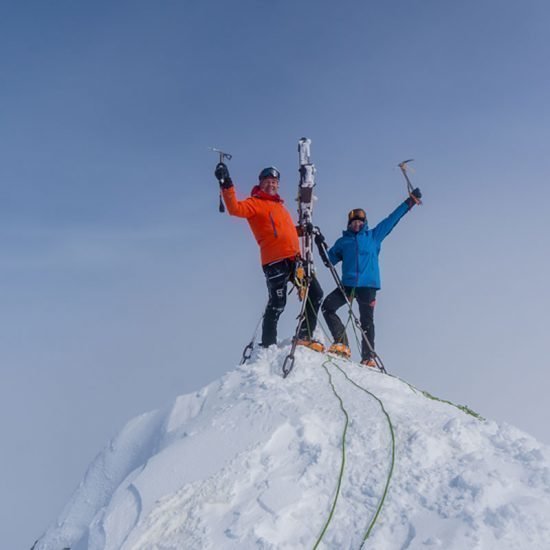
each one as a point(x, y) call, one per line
point(332, 456)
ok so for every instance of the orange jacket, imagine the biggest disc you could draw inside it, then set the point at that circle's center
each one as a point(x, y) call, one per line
point(270, 222)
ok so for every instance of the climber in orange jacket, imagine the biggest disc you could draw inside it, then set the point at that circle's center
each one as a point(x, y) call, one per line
point(277, 237)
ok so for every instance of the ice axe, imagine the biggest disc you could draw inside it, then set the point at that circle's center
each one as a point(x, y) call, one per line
point(223, 156)
point(403, 167)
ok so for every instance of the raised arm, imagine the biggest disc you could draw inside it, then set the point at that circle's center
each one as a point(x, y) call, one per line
point(241, 209)
point(384, 228)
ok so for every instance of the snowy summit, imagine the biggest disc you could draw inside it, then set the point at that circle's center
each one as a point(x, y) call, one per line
point(336, 456)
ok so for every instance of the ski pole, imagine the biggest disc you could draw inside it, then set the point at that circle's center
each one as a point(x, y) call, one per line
point(403, 167)
point(223, 156)
point(323, 249)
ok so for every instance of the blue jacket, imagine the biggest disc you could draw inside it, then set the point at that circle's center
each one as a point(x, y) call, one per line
point(359, 251)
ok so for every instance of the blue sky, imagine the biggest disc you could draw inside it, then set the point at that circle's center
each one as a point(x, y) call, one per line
point(122, 286)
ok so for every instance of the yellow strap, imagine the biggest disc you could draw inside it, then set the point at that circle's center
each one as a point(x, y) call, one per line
point(300, 281)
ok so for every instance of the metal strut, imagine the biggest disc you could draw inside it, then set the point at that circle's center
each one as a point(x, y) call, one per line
point(305, 232)
point(288, 363)
point(247, 351)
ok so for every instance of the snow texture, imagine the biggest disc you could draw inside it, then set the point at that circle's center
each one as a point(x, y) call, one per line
point(253, 461)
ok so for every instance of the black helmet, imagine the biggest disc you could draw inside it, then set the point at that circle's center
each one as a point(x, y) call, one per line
point(269, 172)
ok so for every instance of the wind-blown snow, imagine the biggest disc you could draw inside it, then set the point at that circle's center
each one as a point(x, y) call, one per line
point(253, 461)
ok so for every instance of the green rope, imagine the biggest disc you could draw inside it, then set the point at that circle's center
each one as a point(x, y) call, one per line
point(341, 474)
point(428, 395)
point(320, 323)
point(307, 320)
point(350, 315)
point(392, 433)
point(324, 329)
point(357, 340)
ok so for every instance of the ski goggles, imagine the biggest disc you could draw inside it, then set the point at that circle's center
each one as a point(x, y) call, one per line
point(357, 214)
point(270, 172)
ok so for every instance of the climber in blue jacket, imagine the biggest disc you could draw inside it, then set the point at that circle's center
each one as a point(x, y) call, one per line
point(358, 249)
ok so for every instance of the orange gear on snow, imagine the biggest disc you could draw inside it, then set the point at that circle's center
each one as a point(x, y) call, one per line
point(341, 349)
point(311, 344)
point(270, 222)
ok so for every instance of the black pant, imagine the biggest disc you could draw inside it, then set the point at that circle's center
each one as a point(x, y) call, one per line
point(277, 276)
point(366, 298)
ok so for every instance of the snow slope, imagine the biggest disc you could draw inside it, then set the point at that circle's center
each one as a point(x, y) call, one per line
point(254, 461)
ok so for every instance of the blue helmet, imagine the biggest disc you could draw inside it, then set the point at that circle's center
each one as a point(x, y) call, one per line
point(269, 172)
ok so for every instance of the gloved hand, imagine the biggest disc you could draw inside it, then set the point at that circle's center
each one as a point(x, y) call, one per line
point(322, 245)
point(222, 175)
point(307, 230)
point(414, 197)
point(319, 239)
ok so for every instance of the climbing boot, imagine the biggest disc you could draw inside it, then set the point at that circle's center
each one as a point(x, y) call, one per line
point(311, 344)
point(340, 349)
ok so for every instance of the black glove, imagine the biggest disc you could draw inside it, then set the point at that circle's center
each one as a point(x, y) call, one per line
point(322, 245)
point(319, 239)
point(414, 197)
point(222, 175)
point(304, 230)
